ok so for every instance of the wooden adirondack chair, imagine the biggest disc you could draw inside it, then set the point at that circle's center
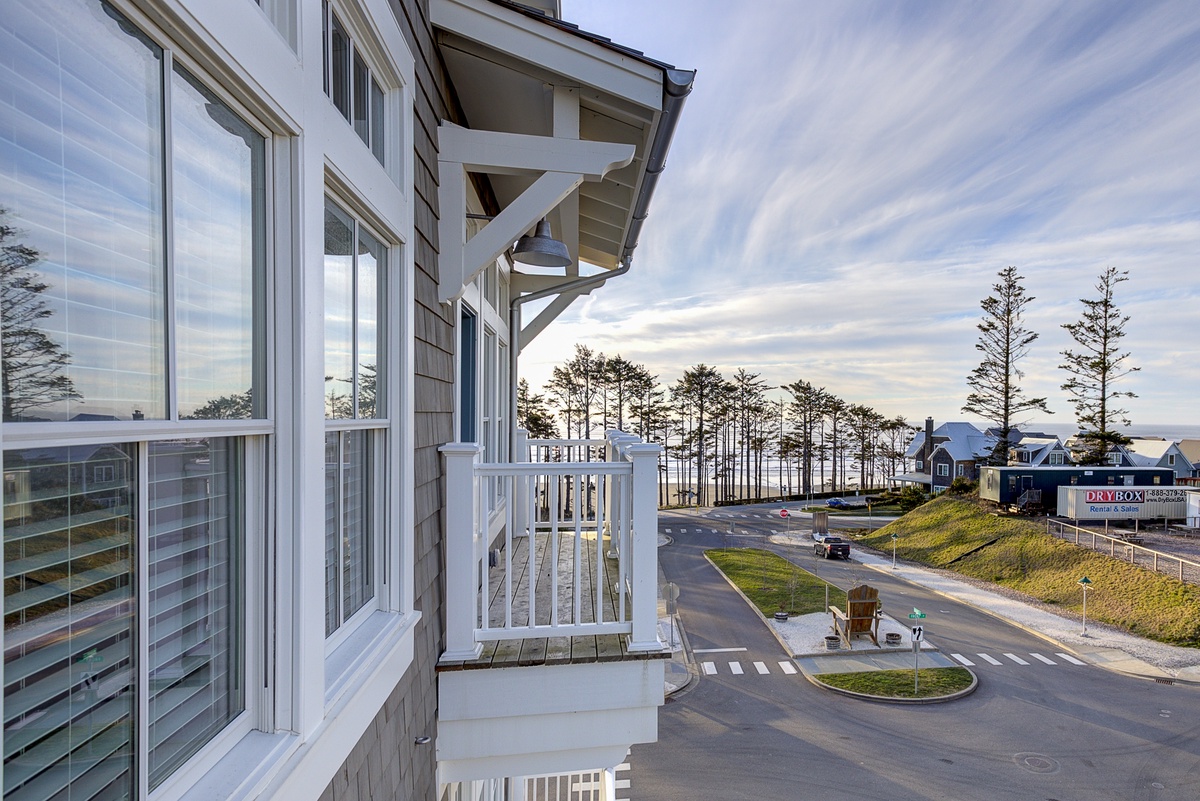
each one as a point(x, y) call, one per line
point(861, 617)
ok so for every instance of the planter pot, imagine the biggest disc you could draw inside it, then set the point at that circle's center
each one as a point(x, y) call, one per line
point(892, 638)
point(832, 642)
point(781, 616)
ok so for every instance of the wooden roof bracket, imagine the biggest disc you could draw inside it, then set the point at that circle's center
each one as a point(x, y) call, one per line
point(561, 165)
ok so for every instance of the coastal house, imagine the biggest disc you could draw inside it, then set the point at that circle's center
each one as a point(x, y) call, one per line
point(1159, 452)
point(1035, 449)
point(270, 530)
point(939, 455)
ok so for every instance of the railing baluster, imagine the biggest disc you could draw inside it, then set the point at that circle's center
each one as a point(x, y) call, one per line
point(623, 550)
point(554, 549)
point(577, 590)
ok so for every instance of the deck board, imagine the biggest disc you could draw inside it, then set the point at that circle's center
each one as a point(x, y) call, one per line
point(597, 578)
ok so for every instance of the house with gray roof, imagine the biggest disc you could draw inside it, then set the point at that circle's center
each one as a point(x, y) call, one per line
point(1159, 452)
point(944, 453)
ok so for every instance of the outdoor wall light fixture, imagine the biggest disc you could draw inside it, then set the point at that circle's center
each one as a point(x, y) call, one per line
point(541, 249)
point(421, 741)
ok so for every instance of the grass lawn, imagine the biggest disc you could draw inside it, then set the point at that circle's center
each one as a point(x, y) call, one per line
point(932, 682)
point(774, 584)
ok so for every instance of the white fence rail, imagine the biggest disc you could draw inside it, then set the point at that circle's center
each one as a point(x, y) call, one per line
point(1135, 553)
point(556, 519)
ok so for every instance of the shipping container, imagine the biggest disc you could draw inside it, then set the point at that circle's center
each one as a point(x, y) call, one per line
point(1122, 503)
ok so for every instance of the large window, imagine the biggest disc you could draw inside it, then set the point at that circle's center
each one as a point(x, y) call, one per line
point(355, 408)
point(350, 85)
point(74, 614)
point(134, 203)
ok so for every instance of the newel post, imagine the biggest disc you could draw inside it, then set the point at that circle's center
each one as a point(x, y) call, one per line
point(463, 552)
point(643, 578)
point(522, 485)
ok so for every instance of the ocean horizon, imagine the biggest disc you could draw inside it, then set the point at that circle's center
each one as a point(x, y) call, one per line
point(1168, 432)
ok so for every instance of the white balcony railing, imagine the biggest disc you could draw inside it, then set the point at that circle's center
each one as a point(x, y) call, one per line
point(573, 536)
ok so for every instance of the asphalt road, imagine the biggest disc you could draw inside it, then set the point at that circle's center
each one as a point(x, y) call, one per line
point(1034, 731)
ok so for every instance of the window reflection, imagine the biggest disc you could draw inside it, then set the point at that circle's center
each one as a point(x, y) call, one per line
point(218, 247)
point(83, 169)
point(81, 164)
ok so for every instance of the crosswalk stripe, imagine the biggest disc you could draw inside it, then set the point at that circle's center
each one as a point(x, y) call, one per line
point(761, 667)
point(736, 668)
point(1041, 658)
point(1071, 659)
point(622, 766)
point(788, 668)
point(963, 660)
point(667, 530)
point(710, 668)
point(989, 659)
point(1017, 659)
point(621, 784)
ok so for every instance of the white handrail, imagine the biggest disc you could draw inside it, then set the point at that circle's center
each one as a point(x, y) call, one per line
point(558, 516)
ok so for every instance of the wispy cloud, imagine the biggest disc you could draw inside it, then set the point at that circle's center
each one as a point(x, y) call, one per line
point(849, 177)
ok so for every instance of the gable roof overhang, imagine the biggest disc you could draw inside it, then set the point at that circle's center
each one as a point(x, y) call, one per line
point(517, 71)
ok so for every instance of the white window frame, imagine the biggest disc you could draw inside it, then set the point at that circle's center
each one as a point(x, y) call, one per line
point(386, 435)
point(943, 470)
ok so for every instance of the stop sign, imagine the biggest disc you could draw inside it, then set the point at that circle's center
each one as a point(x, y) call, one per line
point(783, 512)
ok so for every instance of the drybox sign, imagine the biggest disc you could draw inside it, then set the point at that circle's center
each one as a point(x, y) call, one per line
point(1108, 503)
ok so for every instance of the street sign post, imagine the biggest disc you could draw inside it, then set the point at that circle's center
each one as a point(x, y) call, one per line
point(1085, 582)
point(916, 614)
point(918, 632)
point(894, 538)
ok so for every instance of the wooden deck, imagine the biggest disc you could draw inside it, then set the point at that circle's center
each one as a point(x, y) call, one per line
point(554, 650)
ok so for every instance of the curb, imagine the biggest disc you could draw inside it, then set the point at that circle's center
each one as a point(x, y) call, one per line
point(786, 648)
point(883, 699)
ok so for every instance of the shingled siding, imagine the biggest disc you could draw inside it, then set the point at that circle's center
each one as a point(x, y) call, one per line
point(386, 764)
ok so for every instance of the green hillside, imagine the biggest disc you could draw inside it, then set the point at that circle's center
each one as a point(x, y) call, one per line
point(961, 535)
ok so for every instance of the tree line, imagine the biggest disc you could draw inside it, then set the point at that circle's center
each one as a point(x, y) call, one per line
point(720, 434)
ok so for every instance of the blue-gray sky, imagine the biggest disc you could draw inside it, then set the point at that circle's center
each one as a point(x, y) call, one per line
point(848, 178)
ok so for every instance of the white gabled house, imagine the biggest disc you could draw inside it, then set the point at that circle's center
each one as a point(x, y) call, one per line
point(270, 531)
point(1159, 452)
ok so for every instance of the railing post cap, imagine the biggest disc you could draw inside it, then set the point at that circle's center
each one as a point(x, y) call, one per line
point(460, 448)
point(643, 448)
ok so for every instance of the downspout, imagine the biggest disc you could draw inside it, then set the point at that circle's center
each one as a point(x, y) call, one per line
point(677, 85)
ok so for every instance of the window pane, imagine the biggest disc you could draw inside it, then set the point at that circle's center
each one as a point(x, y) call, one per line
point(339, 313)
point(195, 577)
point(218, 189)
point(370, 263)
point(377, 120)
point(362, 102)
point(69, 622)
point(349, 541)
point(81, 161)
point(357, 564)
point(339, 55)
point(466, 377)
point(333, 614)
